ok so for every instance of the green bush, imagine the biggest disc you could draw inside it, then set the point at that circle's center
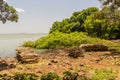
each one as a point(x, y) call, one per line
point(104, 74)
point(68, 75)
point(19, 76)
point(58, 40)
point(28, 44)
point(50, 76)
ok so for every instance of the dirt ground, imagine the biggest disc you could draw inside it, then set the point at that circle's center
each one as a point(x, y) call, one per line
point(58, 61)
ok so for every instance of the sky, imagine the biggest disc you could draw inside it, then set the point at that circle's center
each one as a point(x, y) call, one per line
point(37, 16)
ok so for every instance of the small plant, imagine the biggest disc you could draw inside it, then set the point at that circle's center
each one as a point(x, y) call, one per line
point(104, 74)
point(68, 75)
point(28, 44)
point(24, 76)
point(50, 76)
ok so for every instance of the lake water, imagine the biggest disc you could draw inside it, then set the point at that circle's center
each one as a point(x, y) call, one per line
point(9, 42)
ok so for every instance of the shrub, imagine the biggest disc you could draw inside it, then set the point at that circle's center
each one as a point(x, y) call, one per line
point(58, 40)
point(68, 75)
point(104, 74)
point(19, 76)
point(50, 76)
point(28, 44)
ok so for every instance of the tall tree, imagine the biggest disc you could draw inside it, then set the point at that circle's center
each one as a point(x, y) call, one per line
point(7, 12)
point(114, 4)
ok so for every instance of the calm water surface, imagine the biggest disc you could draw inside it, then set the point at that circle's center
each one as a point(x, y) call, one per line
point(9, 42)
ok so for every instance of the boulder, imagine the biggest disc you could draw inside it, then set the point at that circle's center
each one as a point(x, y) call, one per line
point(24, 49)
point(26, 55)
point(27, 58)
point(93, 47)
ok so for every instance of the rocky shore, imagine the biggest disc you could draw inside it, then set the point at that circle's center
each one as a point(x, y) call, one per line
point(27, 62)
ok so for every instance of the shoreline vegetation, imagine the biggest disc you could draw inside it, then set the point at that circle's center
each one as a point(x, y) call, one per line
point(85, 46)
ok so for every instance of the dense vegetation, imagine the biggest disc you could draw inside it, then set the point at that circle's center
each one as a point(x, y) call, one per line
point(74, 23)
point(79, 27)
point(103, 23)
point(62, 40)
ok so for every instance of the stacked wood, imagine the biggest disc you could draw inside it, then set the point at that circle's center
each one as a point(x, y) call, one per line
point(93, 47)
point(26, 55)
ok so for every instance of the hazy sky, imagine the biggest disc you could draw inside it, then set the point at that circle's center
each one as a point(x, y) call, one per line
point(37, 16)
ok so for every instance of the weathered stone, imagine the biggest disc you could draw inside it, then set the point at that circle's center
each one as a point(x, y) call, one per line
point(27, 58)
point(93, 47)
point(24, 49)
point(26, 55)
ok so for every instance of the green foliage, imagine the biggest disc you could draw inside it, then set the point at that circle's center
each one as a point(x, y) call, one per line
point(68, 75)
point(50, 76)
point(104, 24)
point(104, 74)
point(74, 23)
point(7, 12)
point(28, 44)
point(19, 76)
point(62, 40)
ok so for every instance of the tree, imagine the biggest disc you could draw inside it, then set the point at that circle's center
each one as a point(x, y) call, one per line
point(114, 4)
point(104, 24)
point(7, 12)
point(75, 23)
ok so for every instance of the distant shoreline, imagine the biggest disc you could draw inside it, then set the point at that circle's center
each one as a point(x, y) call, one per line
point(20, 33)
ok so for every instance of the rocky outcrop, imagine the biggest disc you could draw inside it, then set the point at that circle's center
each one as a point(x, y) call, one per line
point(93, 47)
point(26, 55)
point(24, 50)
